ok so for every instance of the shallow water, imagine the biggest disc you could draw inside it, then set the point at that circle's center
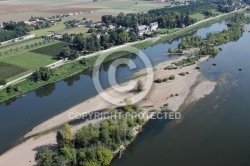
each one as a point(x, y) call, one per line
point(213, 131)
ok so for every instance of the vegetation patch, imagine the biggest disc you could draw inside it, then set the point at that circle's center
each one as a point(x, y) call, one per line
point(9, 70)
point(51, 50)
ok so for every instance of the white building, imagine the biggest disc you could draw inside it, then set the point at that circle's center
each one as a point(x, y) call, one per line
point(145, 29)
point(154, 26)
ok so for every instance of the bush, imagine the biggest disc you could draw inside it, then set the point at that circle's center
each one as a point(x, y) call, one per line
point(187, 72)
point(165, 105)
point(18, 89)
point(176, 94)
point(3, 82)
point(83, 61)
point(158, 81)
point(139, 86)
point(165, 80)
point(172, 77)
point(182, 74)
point(197, 68)
point(10, 89)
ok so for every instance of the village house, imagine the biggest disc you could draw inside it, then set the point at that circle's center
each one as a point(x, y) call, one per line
point(111, 26)
point(145, 29)
point(90, 25)
point(102, 33)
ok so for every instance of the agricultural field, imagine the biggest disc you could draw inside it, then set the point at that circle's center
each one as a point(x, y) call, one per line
point(9, 70)
point(18, 10)
point(50, 50)
point(21, 55)
point(61, 28)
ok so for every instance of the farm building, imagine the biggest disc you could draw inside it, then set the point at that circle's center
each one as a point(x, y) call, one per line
point(27, 37)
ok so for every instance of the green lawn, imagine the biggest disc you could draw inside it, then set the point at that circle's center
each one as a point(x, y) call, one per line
point(215, 11)
point(29, 60)
point(166, 31)
point(56, 28)
point(198, 16)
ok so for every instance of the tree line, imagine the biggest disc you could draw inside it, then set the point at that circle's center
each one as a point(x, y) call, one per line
point(173, 17)
point(13, 30)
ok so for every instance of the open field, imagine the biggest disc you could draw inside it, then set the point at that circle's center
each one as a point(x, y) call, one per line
point(54, 29)
point(18, 10)
point(60, 28)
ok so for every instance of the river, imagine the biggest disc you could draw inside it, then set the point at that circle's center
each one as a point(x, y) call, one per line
point(18, 116)
point(213, 131)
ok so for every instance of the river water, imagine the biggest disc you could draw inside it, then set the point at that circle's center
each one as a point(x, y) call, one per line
point(215, 131)
point(20, 115)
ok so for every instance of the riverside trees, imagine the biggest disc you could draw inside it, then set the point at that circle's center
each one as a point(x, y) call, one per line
point(234, 32)
point(92, 145)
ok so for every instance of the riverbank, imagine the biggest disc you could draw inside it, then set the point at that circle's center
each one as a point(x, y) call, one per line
point(68, 69)
point(173, 92)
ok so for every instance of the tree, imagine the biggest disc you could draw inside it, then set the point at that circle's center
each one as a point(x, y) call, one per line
point(69, 154)
point(104, 136)
point(36, 76)
point(132, 36)
point(86, 136)
point(104, 156)
point(45, 73)
point(74, 55)
point(122, 36)
point(65, 137)
point(80, 42)
point(169, 50)
point(66, 37)
point(66, 52)
point(139, 86)
point(44, 157)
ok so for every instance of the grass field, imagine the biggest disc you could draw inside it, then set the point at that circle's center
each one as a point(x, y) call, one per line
point(201, 16)
point(198, 16)
point(29, 61)
point(9, 70)
point(166, 31)
point(54, 29)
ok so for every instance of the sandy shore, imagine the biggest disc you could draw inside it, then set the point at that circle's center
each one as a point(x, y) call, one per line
point(159, 94)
